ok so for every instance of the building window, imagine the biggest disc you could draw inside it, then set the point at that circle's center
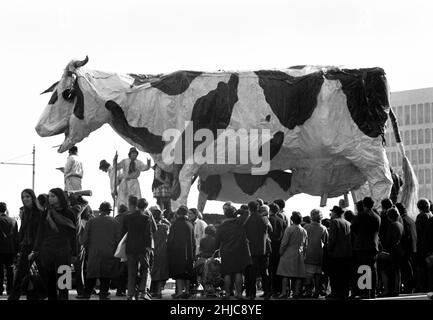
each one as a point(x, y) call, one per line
point(427, 112)
point(421, 176)
point(427, 155)
point(420, 136)
point(393, 159)
point(414, 157)
point(413, 136)
point(407, 137)
point(427, 176)
point(427, 136)
point(413, 114)
point(420, 113)
point(421, 156)
point(406, 115)
point(428, 193)
point(400, 117)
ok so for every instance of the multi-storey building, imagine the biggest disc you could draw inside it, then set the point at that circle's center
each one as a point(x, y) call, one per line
point(414, 112)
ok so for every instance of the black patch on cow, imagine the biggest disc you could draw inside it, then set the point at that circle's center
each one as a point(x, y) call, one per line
point(297, 67)
point(53, 98)
point(268, 118)
point(213, 111)
point(275, 144)
point(150, 143)
point(211, 186)
point(292, 99)
point(175, 83)
point(79, 102)
point(249, 183)
point(367, 97)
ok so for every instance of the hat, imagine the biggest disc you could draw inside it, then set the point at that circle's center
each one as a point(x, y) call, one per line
point(103, 164)
point(73, 149)
point(337, 210)
point(105, 207)
point(133, 149)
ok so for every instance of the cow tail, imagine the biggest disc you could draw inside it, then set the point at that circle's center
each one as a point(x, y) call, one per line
point(409, 194)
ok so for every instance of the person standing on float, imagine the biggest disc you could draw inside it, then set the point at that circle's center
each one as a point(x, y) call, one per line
point(130, 169)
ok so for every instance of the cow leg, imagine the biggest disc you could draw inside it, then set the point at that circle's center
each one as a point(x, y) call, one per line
point(201, 201)
point(185, 178)
point(374, 165)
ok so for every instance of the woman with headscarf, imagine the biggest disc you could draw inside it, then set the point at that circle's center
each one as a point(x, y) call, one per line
point(56, 241)
point(30, 214)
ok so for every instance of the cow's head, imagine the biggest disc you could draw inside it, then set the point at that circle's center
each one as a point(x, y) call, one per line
point(65, 112)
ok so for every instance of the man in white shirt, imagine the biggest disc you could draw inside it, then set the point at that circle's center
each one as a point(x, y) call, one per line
point(129, 171)
point(73, 171)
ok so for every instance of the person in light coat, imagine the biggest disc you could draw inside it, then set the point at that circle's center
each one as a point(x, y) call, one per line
point(292, 256)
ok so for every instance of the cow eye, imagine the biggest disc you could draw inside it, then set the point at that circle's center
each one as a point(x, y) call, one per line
point(68, 94)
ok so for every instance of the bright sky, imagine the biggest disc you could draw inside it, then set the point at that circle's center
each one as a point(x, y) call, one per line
point(38, 39)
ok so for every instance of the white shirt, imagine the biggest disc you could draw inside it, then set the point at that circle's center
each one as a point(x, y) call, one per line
point(73, 167)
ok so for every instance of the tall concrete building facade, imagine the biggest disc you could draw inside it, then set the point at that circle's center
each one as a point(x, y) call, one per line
point(414, 112)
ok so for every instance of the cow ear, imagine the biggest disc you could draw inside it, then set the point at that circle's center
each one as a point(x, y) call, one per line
point(51, 89)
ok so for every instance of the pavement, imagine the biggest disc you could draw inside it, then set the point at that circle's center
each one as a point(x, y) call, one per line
point(170, 289)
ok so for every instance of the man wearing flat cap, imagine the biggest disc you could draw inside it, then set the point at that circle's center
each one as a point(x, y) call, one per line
point(100, 240)
point(129, 171)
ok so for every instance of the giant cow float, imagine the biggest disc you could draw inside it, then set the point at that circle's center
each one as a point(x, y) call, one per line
point(325, 126)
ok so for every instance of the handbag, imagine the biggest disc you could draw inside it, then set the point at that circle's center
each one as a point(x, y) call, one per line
point(121, 249)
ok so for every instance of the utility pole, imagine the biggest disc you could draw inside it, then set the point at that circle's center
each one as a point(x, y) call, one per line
point(33, 164)
point(34, 167)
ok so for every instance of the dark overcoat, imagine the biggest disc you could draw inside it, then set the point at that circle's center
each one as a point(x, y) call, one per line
point(100, 239)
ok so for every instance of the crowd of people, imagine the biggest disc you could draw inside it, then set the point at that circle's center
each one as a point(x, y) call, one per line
point(292, 256)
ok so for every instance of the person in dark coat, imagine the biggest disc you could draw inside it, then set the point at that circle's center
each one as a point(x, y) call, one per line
point(181, 252)
point(208, 243)
point(56, 241)
point(82, 210)
point(8, 247)
point(340, 254)
point(366, 226)
point(409, 249)
point(138, 249)
point(421, 223)
point(122, 280)
point(257, 228)
point(428, 240)
point(278, 227)
point(100, 239)
point(392, 244)
point(30, 215)
point(235, 254)
point(159, 273)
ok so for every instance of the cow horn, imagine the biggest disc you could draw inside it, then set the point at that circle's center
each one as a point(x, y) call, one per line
point(81, 63)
